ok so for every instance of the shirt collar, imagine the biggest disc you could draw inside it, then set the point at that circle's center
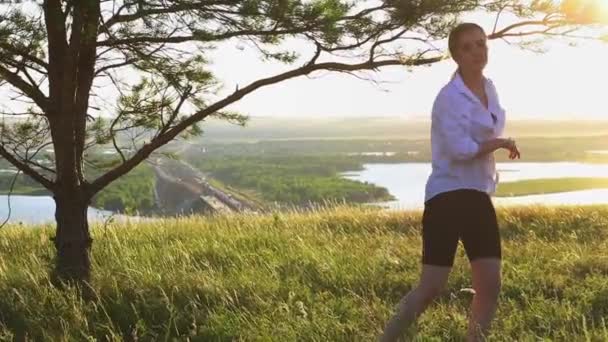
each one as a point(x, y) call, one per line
point(458, 82)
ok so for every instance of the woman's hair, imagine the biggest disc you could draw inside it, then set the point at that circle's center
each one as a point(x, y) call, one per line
point(457, 32)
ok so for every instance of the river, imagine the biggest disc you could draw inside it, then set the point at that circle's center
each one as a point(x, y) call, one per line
point(406, 182)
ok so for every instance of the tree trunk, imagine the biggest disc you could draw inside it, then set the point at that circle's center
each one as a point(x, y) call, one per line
point(73, 240)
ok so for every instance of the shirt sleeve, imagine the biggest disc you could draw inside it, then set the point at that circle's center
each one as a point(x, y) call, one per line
point(452, 130)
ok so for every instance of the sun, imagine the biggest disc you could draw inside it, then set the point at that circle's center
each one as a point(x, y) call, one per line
point(589, 11)
point(602, 8)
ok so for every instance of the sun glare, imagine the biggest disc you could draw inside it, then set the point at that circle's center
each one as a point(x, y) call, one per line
point(602, 8)
point(587, 10)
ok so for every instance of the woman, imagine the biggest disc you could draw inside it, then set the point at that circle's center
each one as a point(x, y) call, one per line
point(467, 121)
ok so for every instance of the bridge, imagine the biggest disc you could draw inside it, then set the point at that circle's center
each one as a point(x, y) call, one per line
point(182, 189)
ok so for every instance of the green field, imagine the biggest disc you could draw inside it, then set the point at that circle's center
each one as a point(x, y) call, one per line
point(332, 275)
point(540, 148)
point(547, 186)
point(293, 180)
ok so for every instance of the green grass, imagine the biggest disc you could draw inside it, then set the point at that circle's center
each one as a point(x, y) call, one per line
point(547, 186)
point(332, 275)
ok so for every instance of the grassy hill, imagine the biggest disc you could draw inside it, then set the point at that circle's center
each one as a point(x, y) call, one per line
point(331, 275)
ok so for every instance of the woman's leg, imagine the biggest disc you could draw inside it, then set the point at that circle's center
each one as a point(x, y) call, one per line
point(481, 239)
point(486, 282)
point(432, 281)
point(439, 243)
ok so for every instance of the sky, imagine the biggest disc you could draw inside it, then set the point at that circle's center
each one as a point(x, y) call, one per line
point(565, 82)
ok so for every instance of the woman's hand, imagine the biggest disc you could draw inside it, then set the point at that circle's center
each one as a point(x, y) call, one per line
point(509, 144)
point(498, 143)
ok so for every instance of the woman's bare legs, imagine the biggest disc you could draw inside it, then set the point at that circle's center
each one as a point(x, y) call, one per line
point(432, 281)
point(486, 282)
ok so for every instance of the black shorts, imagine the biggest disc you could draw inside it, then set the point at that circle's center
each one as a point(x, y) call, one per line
point(466, 215)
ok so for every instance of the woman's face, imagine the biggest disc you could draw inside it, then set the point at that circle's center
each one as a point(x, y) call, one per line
point(471, 50)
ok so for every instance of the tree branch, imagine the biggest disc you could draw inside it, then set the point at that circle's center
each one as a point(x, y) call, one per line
point(119, 18)
point(201, 38)
point(365, 12)
point(378, 43)
point(314, 58)
point(11, 49)
point(130, 61)
point(27, 169)
point(497, 18)
point(551, 23)
point(183, 98)
point(30, 90)
point(170, 134)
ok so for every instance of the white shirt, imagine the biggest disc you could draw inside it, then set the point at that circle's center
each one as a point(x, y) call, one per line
point(460, 123)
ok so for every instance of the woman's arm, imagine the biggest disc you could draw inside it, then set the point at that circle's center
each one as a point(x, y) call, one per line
point(492, 145)
point(453, 132)
point(450, 127)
